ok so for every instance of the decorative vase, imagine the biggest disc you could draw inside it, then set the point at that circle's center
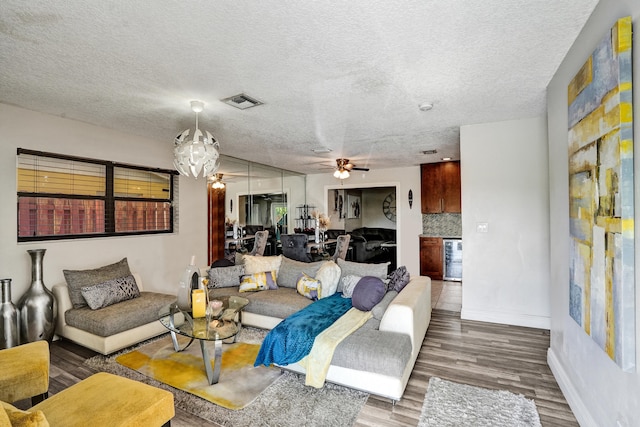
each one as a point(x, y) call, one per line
point(317, 231)
point(8, 317)
point(235, 230)
point(38, 305)
point(189, 281)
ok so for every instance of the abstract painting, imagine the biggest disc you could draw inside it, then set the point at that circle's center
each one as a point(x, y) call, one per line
point(602, 288)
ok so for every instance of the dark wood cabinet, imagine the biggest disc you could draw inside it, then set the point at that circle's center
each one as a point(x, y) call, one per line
point(431, 261)
point(441, 187)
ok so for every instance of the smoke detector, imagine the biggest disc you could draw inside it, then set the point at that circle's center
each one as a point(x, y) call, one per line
point(242, 101)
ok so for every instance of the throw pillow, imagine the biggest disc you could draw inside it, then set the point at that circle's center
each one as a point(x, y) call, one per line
point(110, 292)
point(380, 308)
point(290, 271)
point(258, 264)
point(225, 277)
point(308, 287)
point(362, 269)
point(329, 275)
point(368, 292)
point(18, 417)
point(398, 279)
point(258, 282)
point(348, 284)
point(77, 279)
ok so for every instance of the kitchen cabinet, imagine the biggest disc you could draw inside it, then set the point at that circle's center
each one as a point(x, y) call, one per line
point(431, 261)
point(441, 187)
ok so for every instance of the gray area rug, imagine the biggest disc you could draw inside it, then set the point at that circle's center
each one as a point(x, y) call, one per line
point(449, 404)
point(287, 402)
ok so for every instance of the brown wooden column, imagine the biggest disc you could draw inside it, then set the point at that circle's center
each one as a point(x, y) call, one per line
point(216, 223)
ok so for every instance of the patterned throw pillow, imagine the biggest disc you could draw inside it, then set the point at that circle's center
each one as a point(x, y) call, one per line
point(398, 279)
point(225, 277)
point(348, 284)
point(258, 282)
point(110, 292)
point(308, 287)
point(329, 276)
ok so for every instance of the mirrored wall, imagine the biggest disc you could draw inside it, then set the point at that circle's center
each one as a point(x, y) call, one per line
point(261, 195)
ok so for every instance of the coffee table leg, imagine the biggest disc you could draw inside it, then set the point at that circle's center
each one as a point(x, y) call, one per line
point(213, 375)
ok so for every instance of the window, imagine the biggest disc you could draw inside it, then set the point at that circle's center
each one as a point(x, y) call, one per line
point(65, 197)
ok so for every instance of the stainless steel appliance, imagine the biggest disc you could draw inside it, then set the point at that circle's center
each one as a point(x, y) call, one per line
point(452, 259)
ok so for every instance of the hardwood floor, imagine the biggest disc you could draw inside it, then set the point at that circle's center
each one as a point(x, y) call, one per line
point(476, 353)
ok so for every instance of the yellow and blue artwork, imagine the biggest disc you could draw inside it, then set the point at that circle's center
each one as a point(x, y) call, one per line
point(602, 288)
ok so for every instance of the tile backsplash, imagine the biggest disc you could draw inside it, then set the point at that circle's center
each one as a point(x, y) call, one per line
point(442, 225)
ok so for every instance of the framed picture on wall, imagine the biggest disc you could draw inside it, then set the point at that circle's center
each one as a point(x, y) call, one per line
point(354, 206)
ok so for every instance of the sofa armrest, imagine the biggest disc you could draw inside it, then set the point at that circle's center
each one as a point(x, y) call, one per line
point(410, 312)
point(61, 292)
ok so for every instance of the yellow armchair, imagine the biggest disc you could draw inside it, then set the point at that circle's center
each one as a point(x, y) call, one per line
point(24, 372)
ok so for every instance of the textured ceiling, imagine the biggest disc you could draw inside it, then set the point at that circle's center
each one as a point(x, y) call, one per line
point(345, 75)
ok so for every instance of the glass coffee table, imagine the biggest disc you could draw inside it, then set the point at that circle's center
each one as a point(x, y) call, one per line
point(217, 327)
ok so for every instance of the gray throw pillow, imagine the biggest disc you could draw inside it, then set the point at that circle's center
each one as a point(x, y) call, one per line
point(225, 277)
point(368, 292)
point(110, 292)
point(77, 279)
point(362, 269)
point(291, 270)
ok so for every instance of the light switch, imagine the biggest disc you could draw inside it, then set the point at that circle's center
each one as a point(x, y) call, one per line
point(482, 227)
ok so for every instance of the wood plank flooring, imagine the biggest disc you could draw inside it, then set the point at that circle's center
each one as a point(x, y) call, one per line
point(476, 353)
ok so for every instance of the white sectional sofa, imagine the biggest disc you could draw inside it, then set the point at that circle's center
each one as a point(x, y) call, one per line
point(377, 358)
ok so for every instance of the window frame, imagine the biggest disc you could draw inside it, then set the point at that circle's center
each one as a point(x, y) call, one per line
point(110, 199)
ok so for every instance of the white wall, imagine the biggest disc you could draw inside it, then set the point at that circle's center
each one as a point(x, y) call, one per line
point(504, 184)
point(159, 258)
point(599, 393)
point(409, 221)
point(372, 213)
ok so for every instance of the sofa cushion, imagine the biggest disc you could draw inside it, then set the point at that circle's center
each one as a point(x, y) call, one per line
point(348, 284)
point(19, 418)
point(379, 309)
point(361, 269)
point(368, 292)
point(308, 287)
point(77, 279)
point(110, 292)
point(280, 304)
point(119, 317)
point(259, 264)
point(223, 277)
point(391, 355)
point(329, 276)
point(290, 271)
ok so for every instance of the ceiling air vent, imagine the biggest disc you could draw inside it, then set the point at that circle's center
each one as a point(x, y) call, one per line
point(429, 151)
point(241, 101)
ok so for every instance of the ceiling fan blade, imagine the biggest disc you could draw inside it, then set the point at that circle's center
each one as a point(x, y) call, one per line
point(360, 169)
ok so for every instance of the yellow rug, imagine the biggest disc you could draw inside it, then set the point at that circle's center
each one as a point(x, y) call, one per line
point(239, 384)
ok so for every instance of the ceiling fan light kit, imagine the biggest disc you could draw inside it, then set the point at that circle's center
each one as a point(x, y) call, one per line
point(344, 168)
point(216, 182)
point(199, 154)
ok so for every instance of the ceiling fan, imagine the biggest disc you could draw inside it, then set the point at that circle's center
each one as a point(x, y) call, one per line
point(216, 181)
point(344, 168)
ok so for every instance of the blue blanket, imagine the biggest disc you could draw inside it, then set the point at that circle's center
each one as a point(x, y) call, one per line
point(292, 339)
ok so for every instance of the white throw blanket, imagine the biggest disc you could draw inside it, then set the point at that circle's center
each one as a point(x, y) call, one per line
point(317, 362)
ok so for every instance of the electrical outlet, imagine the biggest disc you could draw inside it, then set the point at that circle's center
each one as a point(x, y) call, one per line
point(482, 227)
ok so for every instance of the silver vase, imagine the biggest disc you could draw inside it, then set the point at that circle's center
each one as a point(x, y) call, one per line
point(37, 306)
point(8, 317)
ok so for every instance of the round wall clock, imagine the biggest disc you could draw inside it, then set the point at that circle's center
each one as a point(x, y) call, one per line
point(389, 207)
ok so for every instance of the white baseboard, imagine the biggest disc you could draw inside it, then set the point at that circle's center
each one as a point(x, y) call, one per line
point(539, 322)
point(579, 409)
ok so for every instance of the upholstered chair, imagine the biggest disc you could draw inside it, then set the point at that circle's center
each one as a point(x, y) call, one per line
point(260, 243)
point(342, 247)
point(24, 372)
point(294, 246)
